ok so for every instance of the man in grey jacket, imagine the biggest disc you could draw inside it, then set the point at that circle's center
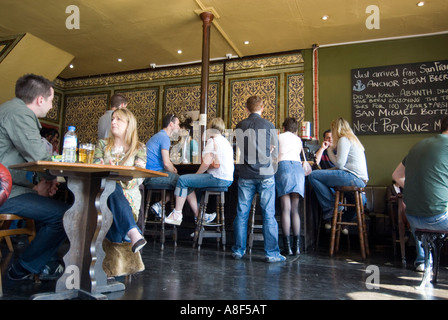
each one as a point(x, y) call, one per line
point(20, 141)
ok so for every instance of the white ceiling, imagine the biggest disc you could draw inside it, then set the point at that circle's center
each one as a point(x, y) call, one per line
point(151, 32)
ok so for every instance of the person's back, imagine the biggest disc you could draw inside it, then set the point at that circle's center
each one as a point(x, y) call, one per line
point(255, 138)
point(426, 188)
point(117, 101)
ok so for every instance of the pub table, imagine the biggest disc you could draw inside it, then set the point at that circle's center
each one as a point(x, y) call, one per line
point(86, 224)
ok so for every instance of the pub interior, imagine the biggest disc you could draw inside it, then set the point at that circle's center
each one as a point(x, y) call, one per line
point(303, 65)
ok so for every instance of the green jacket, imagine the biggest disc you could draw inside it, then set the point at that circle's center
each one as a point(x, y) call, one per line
point(20, 141)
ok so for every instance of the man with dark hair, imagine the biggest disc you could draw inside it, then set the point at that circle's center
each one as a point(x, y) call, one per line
point(158, 156)
point(20, 141)
point(322, 158)
point(256, 139)
point(117, 101)
point(424, 175)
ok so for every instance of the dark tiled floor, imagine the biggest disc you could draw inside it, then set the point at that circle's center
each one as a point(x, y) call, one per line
point(185, 274)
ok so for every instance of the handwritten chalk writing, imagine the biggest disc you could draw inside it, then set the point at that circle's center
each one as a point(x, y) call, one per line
point(408, 98)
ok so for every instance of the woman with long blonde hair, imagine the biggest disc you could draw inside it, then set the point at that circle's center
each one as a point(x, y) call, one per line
point(347, 154)
point(125, 201)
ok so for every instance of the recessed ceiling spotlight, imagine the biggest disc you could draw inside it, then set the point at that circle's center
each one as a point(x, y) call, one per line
point(421, 3)
point(246, 42)
point(179, 51)
point(71, 66)
point(325, 17)
point(120, 60)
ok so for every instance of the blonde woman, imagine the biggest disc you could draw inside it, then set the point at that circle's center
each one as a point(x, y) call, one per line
point(206, 177)
point(125, 201)
point(347, 154)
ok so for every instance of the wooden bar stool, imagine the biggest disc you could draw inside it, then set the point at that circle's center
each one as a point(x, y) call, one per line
point(432, 242)
point(254, 236)
point(337, 222)
point(159, 224)
point(219, 229)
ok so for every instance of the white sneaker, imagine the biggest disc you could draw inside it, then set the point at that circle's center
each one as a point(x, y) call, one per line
point(175, 217)
point(345, 231)
point(157, 209)
point(209, 217)
point(420, 267)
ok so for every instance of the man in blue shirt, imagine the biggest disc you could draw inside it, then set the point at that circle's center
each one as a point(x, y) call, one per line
point(158, 156)
point(257, 141)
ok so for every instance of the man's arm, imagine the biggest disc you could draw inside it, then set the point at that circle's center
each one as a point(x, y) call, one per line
point(167, 164)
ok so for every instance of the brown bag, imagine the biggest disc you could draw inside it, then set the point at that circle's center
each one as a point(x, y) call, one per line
point(215, 163)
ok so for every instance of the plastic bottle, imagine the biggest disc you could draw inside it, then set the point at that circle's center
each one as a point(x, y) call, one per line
point(70, 145)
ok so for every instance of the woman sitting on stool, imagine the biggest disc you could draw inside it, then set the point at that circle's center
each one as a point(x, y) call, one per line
point(217, 146)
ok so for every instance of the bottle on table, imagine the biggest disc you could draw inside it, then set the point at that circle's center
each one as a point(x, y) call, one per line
point(69, 146)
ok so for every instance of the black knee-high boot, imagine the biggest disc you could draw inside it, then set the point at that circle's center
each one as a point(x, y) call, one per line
point(296, 245)
point(286, 246)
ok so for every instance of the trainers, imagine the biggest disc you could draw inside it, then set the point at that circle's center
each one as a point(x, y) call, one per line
point(175, 217)
point(420, 267)
point(209, 217)
point(345, 231)
point(17, 273)
point(156, 208)
point(237, 256)
point(279, 258)
point(53, 270)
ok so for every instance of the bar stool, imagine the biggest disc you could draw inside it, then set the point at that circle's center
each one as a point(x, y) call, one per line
point(161, 190)
point(253, 236)
point(337, 222)
point(219, 229)
point(432, 242)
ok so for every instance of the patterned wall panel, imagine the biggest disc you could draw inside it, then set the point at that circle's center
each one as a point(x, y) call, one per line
point(54, 114)
point(295, 96)
point(180, 99)
point(83, 112)
point(241, 89)
point(143, 104)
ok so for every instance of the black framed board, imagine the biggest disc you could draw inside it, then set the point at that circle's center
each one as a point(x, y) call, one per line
point(399, 99)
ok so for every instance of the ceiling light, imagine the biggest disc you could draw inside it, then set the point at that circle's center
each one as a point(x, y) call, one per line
point(71, 66)
point(120, 60)
point(179, 51)
point(421, 3)
point(246, 42)
point(325, 17)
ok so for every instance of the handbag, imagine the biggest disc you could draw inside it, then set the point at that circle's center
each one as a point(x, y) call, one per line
point(305, 165)
point(215, 162)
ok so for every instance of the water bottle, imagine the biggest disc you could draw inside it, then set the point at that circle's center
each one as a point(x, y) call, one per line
point(70, 145)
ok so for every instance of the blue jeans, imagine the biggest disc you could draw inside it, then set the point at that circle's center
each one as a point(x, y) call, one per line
point(47, 214)
point(324, 180)
point(123, 219)
point(439, 222)
point(171, 179)
point(246, 191)
point(188, 182)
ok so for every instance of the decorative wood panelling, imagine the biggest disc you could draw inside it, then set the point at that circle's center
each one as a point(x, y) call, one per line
point(83, 112)
point(180, 99)
point(295, 96)
point(143, 104)
point(242, 89)
point(54, 114)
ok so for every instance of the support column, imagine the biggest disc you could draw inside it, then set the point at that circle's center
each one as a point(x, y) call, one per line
point(207, 18)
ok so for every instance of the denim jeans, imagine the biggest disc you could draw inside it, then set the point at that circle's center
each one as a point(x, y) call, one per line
point(324, 180)
point(47, 214)
point(439, 222)
point(171, 179)
point(246, 191)
point(123, 219)
point(188, 182)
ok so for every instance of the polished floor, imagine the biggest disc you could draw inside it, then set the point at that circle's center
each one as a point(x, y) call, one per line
point(183, 273)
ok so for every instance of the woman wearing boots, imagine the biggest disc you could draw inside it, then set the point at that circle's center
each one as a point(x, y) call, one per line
point(290, 184)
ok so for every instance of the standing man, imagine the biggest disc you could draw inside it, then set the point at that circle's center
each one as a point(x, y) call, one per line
point(158, 156)
point(20, 141)
point(256, 139)
point(117, 101)
point(424, 175)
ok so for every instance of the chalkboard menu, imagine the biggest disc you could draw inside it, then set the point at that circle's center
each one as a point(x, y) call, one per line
point(400, 99)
